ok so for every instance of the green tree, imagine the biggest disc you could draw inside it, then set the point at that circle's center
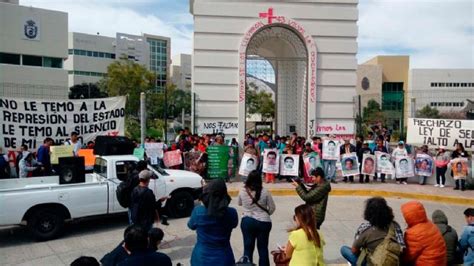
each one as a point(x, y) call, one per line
point(86, 91)
point(260, 103)
point(373, 114)
point(125, 77)
point(428, 112)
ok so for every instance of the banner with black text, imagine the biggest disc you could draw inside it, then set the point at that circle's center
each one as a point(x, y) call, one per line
point(441, 132)
point(30, 121)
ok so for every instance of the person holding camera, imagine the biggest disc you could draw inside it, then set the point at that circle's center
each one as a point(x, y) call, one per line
point(317, 195)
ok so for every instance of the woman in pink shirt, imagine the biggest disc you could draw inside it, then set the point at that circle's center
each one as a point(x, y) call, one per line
point(442, 161)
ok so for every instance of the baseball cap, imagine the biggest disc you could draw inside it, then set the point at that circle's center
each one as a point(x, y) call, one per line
point(144, 175)
point(401, 142)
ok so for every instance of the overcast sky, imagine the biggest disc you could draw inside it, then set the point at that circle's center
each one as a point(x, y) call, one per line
point(435, 33)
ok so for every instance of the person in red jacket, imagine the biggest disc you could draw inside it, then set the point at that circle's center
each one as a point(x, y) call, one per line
point(425, 244)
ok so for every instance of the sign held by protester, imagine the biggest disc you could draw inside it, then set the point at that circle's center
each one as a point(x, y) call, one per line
point(248, 163)
point(154, 151)
point(330, 149)
point(30, 121)
point(349, 164)
point(424, 165)
point(368, 164)
point(460, 168)
point(271, 161)
point(60, 152)
point(311, 161)
point(441, 132)
point(384, 166)
point(172, 158)
point(289, 165)
point(404, 167)
point(218, 161)
point(88, 154)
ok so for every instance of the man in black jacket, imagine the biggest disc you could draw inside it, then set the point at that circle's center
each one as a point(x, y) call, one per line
point(143, 205)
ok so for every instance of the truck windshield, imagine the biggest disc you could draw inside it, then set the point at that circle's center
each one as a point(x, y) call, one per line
point(159, 169)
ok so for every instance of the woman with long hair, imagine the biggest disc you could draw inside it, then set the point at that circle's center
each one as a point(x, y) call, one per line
point(256, 224)
point(305, 243)
point(370, 234)
point(213, 222)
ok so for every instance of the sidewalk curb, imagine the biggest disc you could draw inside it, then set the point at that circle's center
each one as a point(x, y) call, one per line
point(373, 193)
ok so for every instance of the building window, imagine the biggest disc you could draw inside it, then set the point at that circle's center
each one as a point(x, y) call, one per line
point(442, 84)
point(70, 51)
point(52, 62)
point(456, 84)
point(11, 59)
point(32, 60)
point(89, 53)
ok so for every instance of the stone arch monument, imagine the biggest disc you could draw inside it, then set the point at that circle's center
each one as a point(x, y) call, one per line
point(311, 47)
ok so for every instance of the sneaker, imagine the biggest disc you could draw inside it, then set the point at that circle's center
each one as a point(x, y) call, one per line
point(441, 185)
point(405, 183)
point(398, 182)
point(437, 185)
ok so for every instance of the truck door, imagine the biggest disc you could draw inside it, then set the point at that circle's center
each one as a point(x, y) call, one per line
point(158, 184)
point(122, 172)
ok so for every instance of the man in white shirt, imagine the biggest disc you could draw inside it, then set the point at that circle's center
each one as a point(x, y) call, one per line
point(75, 141)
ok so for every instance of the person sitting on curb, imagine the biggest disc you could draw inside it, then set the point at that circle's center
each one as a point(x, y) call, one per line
point(449, 234)
point(425, 244)
point(318, 194)
point(466, 243)
point(370, 234)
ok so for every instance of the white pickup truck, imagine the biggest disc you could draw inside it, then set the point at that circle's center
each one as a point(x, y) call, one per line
point(45, 205)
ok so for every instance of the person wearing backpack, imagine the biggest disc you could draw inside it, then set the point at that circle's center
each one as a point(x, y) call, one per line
point(449, 234)
point(379, 241)
point(425, 244)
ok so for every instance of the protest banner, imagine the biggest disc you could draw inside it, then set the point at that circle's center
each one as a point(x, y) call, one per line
point(330, 149)
point(311, 161)
point(30, 121)
point(441, 132)
point(248, 163)
point(289, 164)
point(60, 152)
point(139, 153)
point(460, 168)
point(424, 165)
point(404, 167)
point(368, 164)
point(218, 161)
point(89, 157)
point(384, 165)
point(271, 161)
point(172, 158)
point(349, 164)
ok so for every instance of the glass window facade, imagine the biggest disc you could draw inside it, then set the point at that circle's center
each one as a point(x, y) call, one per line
point(86, 73)
point(32, 60)
point(91, 53)
point(158, 62)
point(11, 59)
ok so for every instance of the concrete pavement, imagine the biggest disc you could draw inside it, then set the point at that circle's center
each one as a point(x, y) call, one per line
point(96, 237)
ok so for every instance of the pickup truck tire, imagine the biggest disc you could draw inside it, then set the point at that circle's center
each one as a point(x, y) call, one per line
point(45, 224)
point(180, 204)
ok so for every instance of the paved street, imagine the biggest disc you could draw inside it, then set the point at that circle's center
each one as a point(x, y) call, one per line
point(98, 236)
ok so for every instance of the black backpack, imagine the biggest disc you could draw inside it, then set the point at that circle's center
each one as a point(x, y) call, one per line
point(124, 190)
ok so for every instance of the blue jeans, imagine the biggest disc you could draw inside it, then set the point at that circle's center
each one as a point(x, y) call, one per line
point(352, 258)
point(255, 230)
point(330, 169)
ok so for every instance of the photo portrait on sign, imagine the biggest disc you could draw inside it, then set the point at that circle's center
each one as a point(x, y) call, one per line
point(289, 164)
point(330, 149)
point(424, 165)
point(404, 167)
point(191, 159)
point(384, 165)
point(172, 158)
point(368, 164)
point(271, 163)
point(349, 164)
point(311, 161)
point(247, 164)
point(460, 168)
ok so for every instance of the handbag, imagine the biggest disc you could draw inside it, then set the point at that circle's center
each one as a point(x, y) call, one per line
point(244, 261)
point(279, 258)
point(256, 203)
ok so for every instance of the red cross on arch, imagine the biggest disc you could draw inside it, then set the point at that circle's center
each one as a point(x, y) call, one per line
point(268, 14)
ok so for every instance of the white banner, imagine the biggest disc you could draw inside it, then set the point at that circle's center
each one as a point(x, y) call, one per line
point(30, 121)
point(228, 127)
point(335, 127)
point(154, 150)
point(441, 132)
point(289, 164)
